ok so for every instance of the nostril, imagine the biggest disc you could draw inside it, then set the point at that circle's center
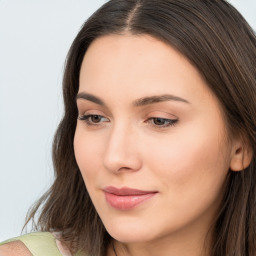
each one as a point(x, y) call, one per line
point(128, 163)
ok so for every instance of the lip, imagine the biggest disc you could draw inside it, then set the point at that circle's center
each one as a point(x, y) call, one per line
point(126, 198)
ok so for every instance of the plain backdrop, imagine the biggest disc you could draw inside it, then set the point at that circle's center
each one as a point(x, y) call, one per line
point(35, 36)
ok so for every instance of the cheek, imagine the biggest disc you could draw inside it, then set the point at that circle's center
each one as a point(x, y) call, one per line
point(88, 152)
point(190, 162)
point(191, 168)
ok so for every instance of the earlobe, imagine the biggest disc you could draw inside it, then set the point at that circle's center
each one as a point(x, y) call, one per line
point(241, 158)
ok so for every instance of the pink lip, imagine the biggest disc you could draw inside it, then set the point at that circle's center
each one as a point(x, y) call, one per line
point(126, 198)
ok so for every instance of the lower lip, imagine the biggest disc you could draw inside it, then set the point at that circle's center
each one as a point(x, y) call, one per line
point(126, 202)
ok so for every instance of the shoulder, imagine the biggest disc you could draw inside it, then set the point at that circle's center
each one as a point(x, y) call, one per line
point(36, 244)
point(14, 248)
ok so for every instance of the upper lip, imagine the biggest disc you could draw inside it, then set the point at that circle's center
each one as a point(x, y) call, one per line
point(125, 191)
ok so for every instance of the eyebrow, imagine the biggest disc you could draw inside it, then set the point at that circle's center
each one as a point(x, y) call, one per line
point(90, 97)
point(137, 103)
point(156, 99)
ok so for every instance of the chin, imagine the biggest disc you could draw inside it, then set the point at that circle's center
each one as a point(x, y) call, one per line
point(130, 236)
point(130, 232)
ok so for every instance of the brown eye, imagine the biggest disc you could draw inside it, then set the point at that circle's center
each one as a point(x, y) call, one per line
point(95, 118)
point(91, 120)
point(159, 121)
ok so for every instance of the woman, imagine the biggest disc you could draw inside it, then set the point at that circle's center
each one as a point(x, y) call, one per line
point(155, 154)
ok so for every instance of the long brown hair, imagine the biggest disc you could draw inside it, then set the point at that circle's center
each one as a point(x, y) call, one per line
point(217, 40)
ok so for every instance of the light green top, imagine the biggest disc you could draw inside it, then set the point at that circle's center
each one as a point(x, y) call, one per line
point(39, 244)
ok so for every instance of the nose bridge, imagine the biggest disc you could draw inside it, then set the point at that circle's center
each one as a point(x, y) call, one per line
point(121, 153)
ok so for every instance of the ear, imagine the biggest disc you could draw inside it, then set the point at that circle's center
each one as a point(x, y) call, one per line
point(242, 154)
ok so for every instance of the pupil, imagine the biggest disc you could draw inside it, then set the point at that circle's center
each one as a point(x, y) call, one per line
point(159, 121)
point(95, 118)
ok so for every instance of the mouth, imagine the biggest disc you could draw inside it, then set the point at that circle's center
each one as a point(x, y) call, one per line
point(126, 198)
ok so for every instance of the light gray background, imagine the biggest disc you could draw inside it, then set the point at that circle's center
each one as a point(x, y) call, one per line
point(35, 36)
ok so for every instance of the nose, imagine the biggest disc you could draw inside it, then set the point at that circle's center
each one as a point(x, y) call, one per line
point(122, 152)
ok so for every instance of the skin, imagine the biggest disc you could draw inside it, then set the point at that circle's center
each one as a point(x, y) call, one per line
point(186, 163)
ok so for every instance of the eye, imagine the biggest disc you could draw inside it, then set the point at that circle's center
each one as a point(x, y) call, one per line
point(93, 119)
point(161, 122)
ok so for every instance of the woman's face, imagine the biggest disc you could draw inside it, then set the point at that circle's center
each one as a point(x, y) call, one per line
point(151, 141)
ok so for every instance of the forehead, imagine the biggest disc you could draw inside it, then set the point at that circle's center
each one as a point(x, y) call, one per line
point(138, 51)
point(126, 64)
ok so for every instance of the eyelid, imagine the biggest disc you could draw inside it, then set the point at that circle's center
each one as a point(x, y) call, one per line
point(86, 116)
point(168, 120)
point(87, 119)
point(83, 112)
point(161, 114)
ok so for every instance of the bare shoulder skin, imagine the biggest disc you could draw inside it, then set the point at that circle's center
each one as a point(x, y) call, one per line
point(14, 248)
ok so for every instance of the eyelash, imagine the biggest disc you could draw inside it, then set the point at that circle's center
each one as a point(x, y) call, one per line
point(168, 122)
point(88, 121)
